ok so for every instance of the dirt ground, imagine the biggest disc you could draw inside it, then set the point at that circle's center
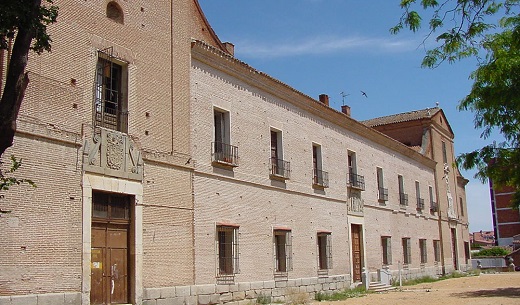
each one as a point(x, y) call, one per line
point(495, 289)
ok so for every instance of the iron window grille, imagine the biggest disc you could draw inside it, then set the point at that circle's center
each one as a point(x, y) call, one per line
point(225, 154)
point(320, 178)
point(420, 204)
point(280, 168)
point(283, 251)
point(227, 251)
point(403, 199)
point(383, 194)
point(356, 181)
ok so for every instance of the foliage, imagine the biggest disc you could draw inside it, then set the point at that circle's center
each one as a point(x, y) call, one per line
point(341, 295)
point(7, 179)
point(495, 251)
point(16, 14)
point(263, 299)
point(479, 27)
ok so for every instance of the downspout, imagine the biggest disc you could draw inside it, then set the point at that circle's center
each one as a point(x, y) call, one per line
point(171, 71)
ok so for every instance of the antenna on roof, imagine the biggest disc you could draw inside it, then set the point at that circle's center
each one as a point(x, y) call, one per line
point(343, 95)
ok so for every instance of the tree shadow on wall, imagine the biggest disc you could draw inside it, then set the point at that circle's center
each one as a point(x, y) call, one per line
point(510, 292)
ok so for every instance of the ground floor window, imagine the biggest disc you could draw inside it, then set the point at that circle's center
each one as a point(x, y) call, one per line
point(283, 250)
point(227, 240)
point(423, 250)
point(325, 250)
point(407, 251)
point(437, 250)
point(386, 244)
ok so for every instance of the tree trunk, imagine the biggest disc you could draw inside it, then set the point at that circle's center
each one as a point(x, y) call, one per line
point(16, 82)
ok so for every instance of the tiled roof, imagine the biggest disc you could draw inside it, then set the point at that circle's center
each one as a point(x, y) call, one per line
point(402, 117)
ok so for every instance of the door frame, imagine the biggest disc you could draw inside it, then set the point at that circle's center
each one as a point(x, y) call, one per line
point(361, 250)
point(114, 185)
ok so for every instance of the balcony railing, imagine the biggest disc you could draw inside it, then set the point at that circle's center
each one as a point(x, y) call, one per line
point(225, 154)
point(356, 181)
point(280, 168)
point(433, 206)
point(320, 178)
point(383, 194)
point(403, 199)
point(420, 204)
point(111, 118)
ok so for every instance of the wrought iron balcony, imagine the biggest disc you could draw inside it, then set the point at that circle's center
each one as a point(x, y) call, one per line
point(383, 194)
point(403, 199)
point(320, 178)
point(108, 116)
point(356, 181)
point(434, 207)
point(420, 204)
point(225, 154)
point(280, 168)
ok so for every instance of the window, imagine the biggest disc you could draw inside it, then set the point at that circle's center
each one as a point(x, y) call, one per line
point(227, 239)
point(110, 104)
point(354, 180)
point(279, 167)
point(437, 250)
point(420, 201)
point(382, 191)
point(433, 204)
point(115, 12)
point(320, 177)
point(403, 197)
point(283, 251)
point(467, 252)
point(223, 152)
point(325, 250)
point(386, 244)
point(424, 253)
point(407, 251)
point(461, 204)
point(444, 153)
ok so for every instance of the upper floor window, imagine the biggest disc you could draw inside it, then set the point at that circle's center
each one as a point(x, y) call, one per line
point(444, 153)
point(320, 177)
point(403, 197)
point(420, 201)
point(382, 191)
point(461, 204)
point(279, 167)
point(115, 12)
point(223, 152)
point(110, 103)
point(354, 180)
point(433, 204)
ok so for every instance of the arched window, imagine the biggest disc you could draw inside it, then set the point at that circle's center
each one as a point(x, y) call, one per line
point(115, 12)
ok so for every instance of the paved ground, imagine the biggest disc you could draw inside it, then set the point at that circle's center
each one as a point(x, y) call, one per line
point(495, 289)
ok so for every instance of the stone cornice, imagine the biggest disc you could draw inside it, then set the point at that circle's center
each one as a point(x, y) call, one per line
point(240, 70)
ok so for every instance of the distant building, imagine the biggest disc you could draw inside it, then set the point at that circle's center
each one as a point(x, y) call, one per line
point(482, 238)
point(506, 220)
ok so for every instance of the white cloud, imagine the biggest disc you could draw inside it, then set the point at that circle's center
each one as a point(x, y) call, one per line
point(322, 45)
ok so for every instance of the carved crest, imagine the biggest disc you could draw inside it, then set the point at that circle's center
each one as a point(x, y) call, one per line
point(115, 150)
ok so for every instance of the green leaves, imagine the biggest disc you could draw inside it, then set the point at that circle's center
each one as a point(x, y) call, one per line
point(6, 178)
point(31, 15)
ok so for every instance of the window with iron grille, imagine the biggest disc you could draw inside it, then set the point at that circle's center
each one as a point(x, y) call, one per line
point(420, 201)
point(325, 250)
point(227, 250)
point(110, 103)
point(283, 250)
point(320, 177)
point(437, 250)
point(222, 151)
point(279, 167)
point(403, 197)
point(386, 244)
point(382, 191)
point(433, 204)
point(407, 251)
point(423, 250)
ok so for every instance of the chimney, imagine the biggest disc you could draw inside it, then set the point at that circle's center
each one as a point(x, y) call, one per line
point(324, 99)
point(230, 48)
point(346, 110)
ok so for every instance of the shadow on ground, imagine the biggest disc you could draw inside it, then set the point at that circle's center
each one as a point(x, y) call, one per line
point(499, 292)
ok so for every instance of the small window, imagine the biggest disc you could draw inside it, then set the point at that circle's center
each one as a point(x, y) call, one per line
point(227, 240)
point(382, 191)
point(403, 197)
point(444, 153)
point(461, 204)
point(320, 177)
point(283, 251)
point(354, 180)
point(423, 250)
point(115, 12)
point(386, 244)
point(407, 251)
point(324, 250)
point(437, 250)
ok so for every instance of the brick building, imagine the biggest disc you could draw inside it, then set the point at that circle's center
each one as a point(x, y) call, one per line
point(506, 220)
point(170, 172)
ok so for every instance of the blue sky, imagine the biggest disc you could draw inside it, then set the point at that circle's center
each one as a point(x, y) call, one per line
point(334, 46)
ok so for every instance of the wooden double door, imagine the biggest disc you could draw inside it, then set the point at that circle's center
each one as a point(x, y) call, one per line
point(110, 251)
point(357, 254)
